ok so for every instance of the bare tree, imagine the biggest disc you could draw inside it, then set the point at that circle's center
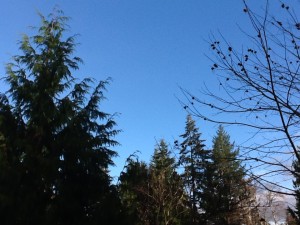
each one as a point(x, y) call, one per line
point(259, 90)
point(272, 205)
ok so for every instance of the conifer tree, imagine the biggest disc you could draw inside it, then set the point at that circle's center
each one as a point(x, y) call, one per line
point(225, 188)
point(55, 142)
point(165, 188)
point(153, 194)
point(133, 183)
point(193, 158)
point(162, 160)
point(294, 214)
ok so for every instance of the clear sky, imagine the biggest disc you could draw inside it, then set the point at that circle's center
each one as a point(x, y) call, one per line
point(148, 47)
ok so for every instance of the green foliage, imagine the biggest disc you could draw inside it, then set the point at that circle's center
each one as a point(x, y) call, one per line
point(161, 160)
point(294, 214)
point(153, 195)
point(166, 189)
point(194, 159)
point(225, 188)
point(133, 181)
point(55, 141)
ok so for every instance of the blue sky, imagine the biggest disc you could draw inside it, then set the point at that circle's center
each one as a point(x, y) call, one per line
point(148, 47)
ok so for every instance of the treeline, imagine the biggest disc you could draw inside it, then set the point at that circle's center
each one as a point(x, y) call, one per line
point(56, 145)
point(201, 187)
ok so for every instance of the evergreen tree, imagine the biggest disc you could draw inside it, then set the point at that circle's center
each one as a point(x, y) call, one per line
point(225, 189)
point(133, 181)
point(153, 195)
point(161, 160)
point(194, 160)
point(294, 214)
point(165, 188)
point(54, 139)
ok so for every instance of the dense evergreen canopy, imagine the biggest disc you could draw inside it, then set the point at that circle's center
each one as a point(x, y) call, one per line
point(55, 140)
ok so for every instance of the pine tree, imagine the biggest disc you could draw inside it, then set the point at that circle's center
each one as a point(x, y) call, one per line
point(194, 160)
point(54, 139)
point(225, 188)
